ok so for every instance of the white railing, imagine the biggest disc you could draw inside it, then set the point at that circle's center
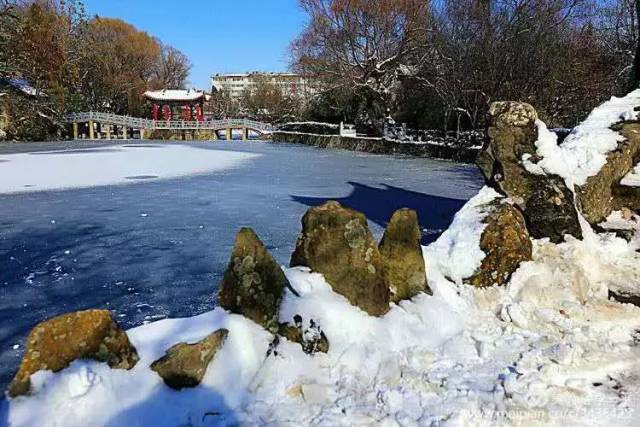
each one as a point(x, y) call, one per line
point(147, 124)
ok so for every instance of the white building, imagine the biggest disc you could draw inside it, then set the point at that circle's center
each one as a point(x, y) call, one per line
point(235, 84)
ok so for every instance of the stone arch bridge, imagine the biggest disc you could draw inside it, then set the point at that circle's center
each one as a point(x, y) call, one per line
point(94, 125)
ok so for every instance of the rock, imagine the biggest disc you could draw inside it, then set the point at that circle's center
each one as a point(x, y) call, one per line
point(54, 344)
point(312, 339)
point(550, 210)
point(400, 247)
point(602, 193)
point(625, 297)
point(511, 135)
point(509, 114)
point(546, 201)
point(253, 283)
point(184, 365)
point(506, 243)
point(336, 242)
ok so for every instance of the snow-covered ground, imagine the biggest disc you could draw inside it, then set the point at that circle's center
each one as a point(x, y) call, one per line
point(548, 349)
point(109, 165)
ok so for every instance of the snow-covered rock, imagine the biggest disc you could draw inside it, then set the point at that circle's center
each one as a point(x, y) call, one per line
point(508, 163)
point(597, 159)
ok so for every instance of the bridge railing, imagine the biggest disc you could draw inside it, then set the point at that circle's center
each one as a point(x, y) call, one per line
point(136, 122)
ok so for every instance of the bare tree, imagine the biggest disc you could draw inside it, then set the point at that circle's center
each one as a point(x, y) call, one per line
point(361, 46)
point(173, 68)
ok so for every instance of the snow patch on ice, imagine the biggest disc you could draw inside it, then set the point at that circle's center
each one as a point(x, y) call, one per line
point(55, 170)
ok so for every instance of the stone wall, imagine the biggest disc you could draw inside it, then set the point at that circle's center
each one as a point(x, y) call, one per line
point(377, 146)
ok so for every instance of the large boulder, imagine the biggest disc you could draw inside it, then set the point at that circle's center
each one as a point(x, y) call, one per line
point(400, 247)
point(505, 242)
point(336, 242)
point(253, 283)
point(602, 193)
point(54, 344)
point(546, 201)
point(512, 134)
point(184, 365)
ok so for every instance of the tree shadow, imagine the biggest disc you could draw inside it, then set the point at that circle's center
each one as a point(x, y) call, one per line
point(435, 213)
point(200, 406)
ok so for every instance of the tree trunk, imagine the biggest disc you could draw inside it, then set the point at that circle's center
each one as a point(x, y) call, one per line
point(635, 74)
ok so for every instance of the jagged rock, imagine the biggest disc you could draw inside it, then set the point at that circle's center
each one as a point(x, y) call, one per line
point(506, 243)
point(511, 135)
point(54, 344)
point(546, 201)
point(337, 243)
point(312, 339)
point(400, 247)
point(184, 365)
point(603, 193)
point(550, 210)
point(253, 283)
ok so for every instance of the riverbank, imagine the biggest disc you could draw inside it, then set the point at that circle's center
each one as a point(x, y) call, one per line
point(378, 146)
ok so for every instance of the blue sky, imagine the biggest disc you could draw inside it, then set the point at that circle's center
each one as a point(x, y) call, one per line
point(217, 35)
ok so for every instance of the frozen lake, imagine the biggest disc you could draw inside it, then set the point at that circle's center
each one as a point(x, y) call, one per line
point(146, 229)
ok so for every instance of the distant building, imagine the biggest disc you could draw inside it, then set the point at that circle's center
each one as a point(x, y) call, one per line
point(235, 84)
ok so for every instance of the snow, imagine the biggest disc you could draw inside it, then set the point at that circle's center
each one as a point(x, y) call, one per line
point(585, 150)
point(548, 349)
point(323, 124)
point(56, 170)
point(460, 242)
point(24, 86)
point(174, 95)
point(633, 178)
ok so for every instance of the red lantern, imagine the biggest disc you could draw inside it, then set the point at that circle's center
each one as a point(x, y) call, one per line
point(166, 112)
point(154, 111)
point(187, 113)
point(199, 116)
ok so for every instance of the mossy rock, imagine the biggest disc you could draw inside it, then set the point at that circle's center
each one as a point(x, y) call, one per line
point(54, 344)
point(336, 242)
point(184, 365)
point(400, 247)
point(506, 243)
point(253, 283)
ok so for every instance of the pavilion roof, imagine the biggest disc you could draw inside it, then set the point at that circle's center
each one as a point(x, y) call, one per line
point(186, 95)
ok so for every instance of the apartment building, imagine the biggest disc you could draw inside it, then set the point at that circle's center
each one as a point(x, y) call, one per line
point(235, 84)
